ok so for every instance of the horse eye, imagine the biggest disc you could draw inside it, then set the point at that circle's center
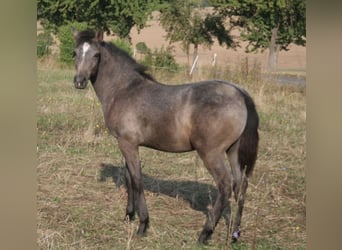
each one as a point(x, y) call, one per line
point(73, 54)
point(97, 55)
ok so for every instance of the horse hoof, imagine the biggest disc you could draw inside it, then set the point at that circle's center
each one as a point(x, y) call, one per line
point(143, 226)
point(204, 237)
point(142, 231)
point(141, 234)
point(129, 217)
point(202, 240)
point(236, 236)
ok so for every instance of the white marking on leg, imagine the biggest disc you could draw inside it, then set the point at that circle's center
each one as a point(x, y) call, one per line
point(236, 234)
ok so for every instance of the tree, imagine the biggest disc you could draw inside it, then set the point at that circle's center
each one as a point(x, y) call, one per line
point(185, 23)
point(266, 24)
point(118, 16)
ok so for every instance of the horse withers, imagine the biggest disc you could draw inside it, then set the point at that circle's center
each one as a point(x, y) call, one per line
point(215, 118)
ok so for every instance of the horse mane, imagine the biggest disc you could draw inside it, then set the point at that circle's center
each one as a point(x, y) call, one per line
point(131, 62)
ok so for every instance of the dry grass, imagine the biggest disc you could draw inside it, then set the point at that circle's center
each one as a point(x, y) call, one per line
point(81, 195)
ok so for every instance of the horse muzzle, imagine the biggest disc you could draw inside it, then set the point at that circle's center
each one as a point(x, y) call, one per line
point(80, 82)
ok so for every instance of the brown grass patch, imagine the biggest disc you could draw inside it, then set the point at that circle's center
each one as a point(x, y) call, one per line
point(81, 196)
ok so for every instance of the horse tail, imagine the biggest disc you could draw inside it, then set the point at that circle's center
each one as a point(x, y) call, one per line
point(249, 139)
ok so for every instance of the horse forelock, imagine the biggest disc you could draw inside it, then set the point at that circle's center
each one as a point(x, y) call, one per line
point(84, 36)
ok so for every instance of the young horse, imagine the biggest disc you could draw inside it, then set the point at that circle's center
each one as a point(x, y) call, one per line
point(214, 118)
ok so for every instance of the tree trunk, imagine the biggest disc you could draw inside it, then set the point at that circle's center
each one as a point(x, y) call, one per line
point(273, 52)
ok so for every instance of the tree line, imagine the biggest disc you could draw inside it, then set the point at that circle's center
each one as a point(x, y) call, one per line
point(265, 24)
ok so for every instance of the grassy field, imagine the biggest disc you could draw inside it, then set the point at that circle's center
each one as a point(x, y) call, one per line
point(81, 195)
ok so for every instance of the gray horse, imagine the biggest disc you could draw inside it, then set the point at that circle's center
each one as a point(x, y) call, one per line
point(215, 118)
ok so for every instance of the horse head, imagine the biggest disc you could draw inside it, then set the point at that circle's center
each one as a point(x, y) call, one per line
point(87, 56)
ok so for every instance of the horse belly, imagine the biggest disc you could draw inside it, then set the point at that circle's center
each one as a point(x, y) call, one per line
point(171, 136)
point(169, 146)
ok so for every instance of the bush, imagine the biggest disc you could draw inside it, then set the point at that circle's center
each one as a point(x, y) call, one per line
point(44, 41)
point(164, 59)
point(66, 39)
point(142, 48)
point(161, 59)
point(148, 60)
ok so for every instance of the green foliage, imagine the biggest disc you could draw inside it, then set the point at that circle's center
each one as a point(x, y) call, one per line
point(164, 59)
point(188, 25)
point(66, 39)
point(214, 25)
point(258, 18)
point(161, 59)
point(124, 45)
point(142, 48)
point(184, 22)
point(147, 59)
point(44, 41)
point(118, 16)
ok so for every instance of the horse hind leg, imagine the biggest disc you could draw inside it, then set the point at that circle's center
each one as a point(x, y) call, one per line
point(215, 163)
point(240, 184)
point(130, 210)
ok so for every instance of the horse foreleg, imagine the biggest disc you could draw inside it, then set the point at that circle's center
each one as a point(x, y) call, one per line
point(136, 197)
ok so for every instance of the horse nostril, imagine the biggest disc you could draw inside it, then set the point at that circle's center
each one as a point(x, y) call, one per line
point(80, 81)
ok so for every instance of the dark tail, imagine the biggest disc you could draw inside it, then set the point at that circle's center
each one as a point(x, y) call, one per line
point(249, 139)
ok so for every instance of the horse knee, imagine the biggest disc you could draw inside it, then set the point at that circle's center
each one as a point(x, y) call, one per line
point(224, 187)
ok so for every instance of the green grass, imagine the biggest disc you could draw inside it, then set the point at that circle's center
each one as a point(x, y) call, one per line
point(81, 197)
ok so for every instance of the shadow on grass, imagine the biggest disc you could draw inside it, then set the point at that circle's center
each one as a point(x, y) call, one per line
point(198, 195)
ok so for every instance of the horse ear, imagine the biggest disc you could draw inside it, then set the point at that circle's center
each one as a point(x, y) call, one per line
point(99, 36)
point(74, 33)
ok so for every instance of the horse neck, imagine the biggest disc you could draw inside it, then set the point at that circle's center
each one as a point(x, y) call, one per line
point(112, 76)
